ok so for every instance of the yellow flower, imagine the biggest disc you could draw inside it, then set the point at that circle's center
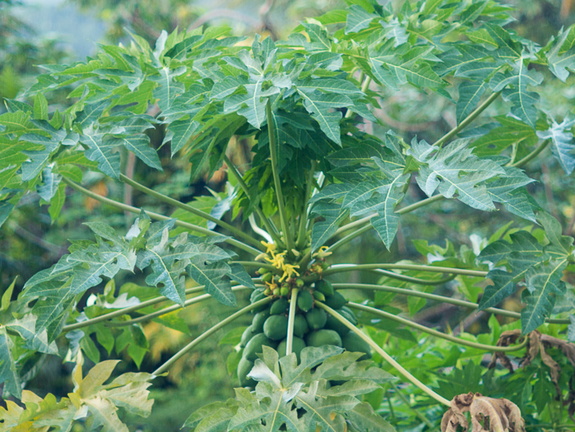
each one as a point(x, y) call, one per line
point(270, 247)
point(277, 260)
point(289, 271)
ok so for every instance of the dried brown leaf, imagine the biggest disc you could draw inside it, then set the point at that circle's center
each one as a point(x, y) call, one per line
point(505, 339)
point(487, 414)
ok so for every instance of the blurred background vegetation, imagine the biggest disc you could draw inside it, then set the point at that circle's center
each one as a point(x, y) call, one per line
point(34, 32)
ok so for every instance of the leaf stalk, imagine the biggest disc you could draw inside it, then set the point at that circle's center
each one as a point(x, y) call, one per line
point(163, 368)
point(272, 136)
point(385, 355)
point(195, 228)
point(387, 315)
point(235, 231)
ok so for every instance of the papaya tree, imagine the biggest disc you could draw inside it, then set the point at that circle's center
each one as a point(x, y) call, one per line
point(331, 344)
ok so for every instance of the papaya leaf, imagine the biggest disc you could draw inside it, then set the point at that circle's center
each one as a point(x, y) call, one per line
point(8, 371)
point(454, 171)
point(561, 57)
point(561, 137)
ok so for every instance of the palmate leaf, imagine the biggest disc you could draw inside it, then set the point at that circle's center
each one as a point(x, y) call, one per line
point(513, 86)
point(358, 19)
point(455, 171)
point(362, 418)
point(539, 268)
point(99, 402)
point(469, 97)
point(545, 286)
point(33, 340)
point(168, 88)
point(270, 414)
point(510, 131)
point(322, 230)
point(522, 253)
point(102, 150)
point(561, 56)
point(139, 145)
point(289, 396)
point(8, 370)
point(386, 222)
point(561, 137)
point(510, 192)
point(251, 103)
point(323, 108)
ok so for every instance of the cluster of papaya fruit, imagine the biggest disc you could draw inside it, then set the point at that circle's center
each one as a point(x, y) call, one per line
point(313, 326)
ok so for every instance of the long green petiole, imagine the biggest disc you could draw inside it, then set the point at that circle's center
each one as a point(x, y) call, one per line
point(384, 266)
point(364, 226)
point(163, 368)
point(169, 309)
point(161, 197)
point(270, 227)
point(291, 320)
point(302, 237)
point(465, 122)
point(125, 310)
point(272, 136)
point(531, 155)
point(438, 298)
point(251, 250)
point(385, 355)
point(387, 315)
point(414, 280)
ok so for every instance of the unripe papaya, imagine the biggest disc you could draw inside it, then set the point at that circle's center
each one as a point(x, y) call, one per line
point(275, 327)
point(254, 346)
point(333, 323)
point(279, 306)
point(284, 290)
point(318, 296)
point(244, 368)
point(323, 337)
point(352, 342)
point(258, 321)
point(324, 287)
point(316, 318)
point(300, 326)
point(247, 335)
point(297, 345)
point(257, 295)
point(348, 314)
point(335, 301)
point(305, 300)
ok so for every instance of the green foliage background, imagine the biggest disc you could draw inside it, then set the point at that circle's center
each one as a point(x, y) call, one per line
point(204, 376)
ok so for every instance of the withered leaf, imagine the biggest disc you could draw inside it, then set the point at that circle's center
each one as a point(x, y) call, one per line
point(487, 414)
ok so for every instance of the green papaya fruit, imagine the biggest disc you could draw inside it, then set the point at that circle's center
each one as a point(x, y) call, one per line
point(305, 300)
point(280, 306)
point(318, 296)
point(324, 287)
point(300, 326)
point(333, 323)
point(258, 321)
point(254, 346)
point(257, 295)
point(244, 368)
point(297, 345)
point(316, 318)
point(247, 335)
point(335, 301)
point(352, 342)
point(348, 314)
point(275, 327)
point(323, 337)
